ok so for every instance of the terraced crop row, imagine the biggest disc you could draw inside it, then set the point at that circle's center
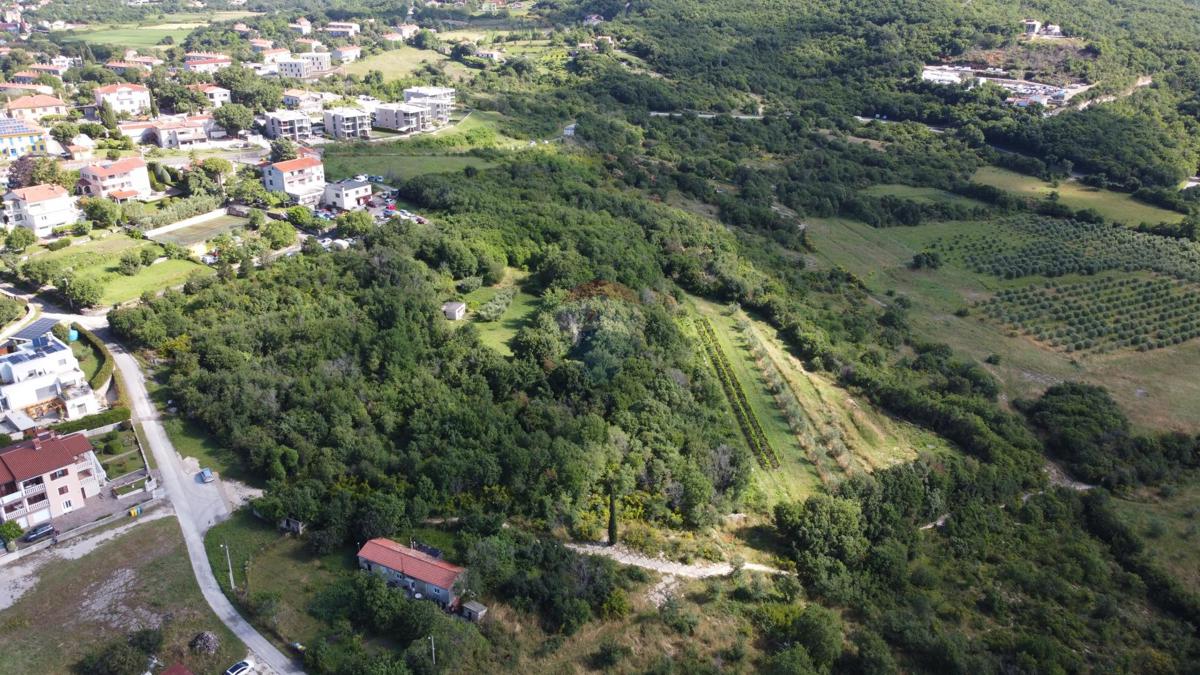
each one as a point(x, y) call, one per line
point(746, 419)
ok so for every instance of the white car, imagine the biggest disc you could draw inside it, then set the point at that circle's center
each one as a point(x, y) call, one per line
point(240, 668)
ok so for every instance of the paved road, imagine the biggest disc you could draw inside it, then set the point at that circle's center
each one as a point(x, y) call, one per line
point(197, 505)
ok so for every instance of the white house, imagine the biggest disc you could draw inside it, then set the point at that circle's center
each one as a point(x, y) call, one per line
point(308, 101)
point(34, 108)
point(121, 180)
point(290, 124)
point(302, 179)
point(274, 56)
point(40, 208)
point(133, 99)
point(347, 53)
point(208, 65)
point(317, 60)
point(346, 195)
point(439, 100)
point(302, 26)
point(40, 374)
point(346, 29)
point(347, 123)
point(454, 311)
point(217, 96)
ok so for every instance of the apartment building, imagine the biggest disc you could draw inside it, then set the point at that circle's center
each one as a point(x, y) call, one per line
point(290, 124)
point(207, 65)
point(439, 100)
point(182, 133)
point(19, 138)
point(294, 68)
point(121, 180)
point(346, 195)
point(34, 108)
point(301, 26)
point(132, 99)
point(217, 96)
point(347, 53)
point(403, 117)
point(302, 179)
point(47, 476)
point(309, 101)
point(346, 124)
point(261, 44)
point(39, 375)
point(126, 67)
point(343, 29)
point(274, 56)
point(40, 208)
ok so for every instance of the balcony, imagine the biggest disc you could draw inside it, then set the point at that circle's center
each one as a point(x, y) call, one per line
point(11, 497)
point(31, 490)
point(34, 507)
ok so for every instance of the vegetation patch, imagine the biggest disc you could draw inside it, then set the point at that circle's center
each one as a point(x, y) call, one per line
point(1116, 206)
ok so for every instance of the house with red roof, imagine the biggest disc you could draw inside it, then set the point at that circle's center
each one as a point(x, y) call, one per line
point(34, 108)
point(132, 99)
point(419, 573)
point(47, 476)
point(302, 179)
point(121, 180)
point(217, 96)
point(40, 208)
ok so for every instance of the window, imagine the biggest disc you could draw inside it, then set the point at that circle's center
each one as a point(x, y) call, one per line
point(58, 474)
point(64, 490)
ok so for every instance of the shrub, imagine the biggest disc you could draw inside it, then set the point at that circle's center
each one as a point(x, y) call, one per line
point(59, 244)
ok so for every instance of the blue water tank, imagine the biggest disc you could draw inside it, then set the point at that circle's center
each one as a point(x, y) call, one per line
point(73, 335)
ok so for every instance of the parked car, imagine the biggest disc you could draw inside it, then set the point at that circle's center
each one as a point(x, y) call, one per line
point(240, 668)
point(206, 475)
point(40, 532)
point(297, 647)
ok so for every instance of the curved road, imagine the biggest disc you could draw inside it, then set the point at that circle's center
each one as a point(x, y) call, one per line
point(198, 506)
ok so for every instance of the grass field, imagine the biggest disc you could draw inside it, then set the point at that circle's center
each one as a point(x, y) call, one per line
point(204, 231)
point(151, 33)
point(193, 441)
point(1158, 389)
point(497, 334)
point(139, 579)
point(395, 166)
point(405, 61)
point(926, 195)
point(833, 420)
point(98, 259)
point(1169, 520)
point(88, 356)
point(1113, 205)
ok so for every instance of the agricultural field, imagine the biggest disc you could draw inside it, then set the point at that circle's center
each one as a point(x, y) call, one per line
point(1169, 520)
point(1115, 206)
point(141, 578)
point(1158, 388)
point(816, 434)
point(98, 258)
point(152, 32)
point(393, 166)
point(201, 232)
point(405, 61)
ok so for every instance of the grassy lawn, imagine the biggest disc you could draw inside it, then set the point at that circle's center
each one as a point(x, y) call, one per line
point(98, 259)
point(194, 234)
point(88, 356)
point(1169, 520)
point(138, 579)
point(264, 561)
point(1113, 205)
point(122, 464)
point(497, 334)
point(395, 166)
point(133, 36)
point(926, 195)
point(398, 63)
point(1158, 389)
point(191, 440)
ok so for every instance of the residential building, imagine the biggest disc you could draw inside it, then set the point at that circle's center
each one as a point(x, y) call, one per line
point(243, 30)
point(140, 132)
point(40, 208)
point(182, 133)
point(302, 26)
point(19, 138)
point(343, 29)
point(203, 56)
point(403, 117)
point(493, 55)
point(408, 31)
point(121, 180)
point(392, 37)
point(299, 99)
point(34, 108)
point(439, 100)
point(304, 45)
point(415, 571)
point(208, 65)
point(57, 70)
point(346, 195)
point(47, 476)
point(347, 53)
point(261, 44)
point(132, 99)
point(346, 124)
point(302, 179)
point(17, 89)
point(295, 68)
point(39, 376)
point(273, 56)
point(290, 124)
point(26, 77)
point(124, 67)
point(149, 61)
point(217, 96)
point(317, 61)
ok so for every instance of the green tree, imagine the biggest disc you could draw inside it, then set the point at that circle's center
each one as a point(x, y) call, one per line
point(825, 534)
point(63, 132)
point(83, 292)
point(278, 234)
point(101, 211)
point(234, 118)
point(282, 149)
point(354, 223)
point(20, 239)
point(300, 216)
point(130, 263)
point(108, 117)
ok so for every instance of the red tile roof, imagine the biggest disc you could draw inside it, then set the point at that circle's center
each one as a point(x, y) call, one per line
point(123, 194)
point(114, 88)
point(39, 193)
point(35, 101)
point(410, 562)
point(38, 456)
point(297, 164)
point(118, 167)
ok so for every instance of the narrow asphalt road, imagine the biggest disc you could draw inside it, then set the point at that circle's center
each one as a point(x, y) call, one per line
point(197, 505)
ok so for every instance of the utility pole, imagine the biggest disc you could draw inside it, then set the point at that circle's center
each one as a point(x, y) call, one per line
point(229, 563)
point(433, 651)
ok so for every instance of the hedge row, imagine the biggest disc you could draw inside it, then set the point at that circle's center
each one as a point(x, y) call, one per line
point(107, 367)
point(748, 423)
point(100, 419)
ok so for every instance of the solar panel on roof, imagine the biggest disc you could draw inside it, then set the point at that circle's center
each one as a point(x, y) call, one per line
point(36, 329)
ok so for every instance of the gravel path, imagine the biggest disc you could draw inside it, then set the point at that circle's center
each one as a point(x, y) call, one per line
point(663, 566)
